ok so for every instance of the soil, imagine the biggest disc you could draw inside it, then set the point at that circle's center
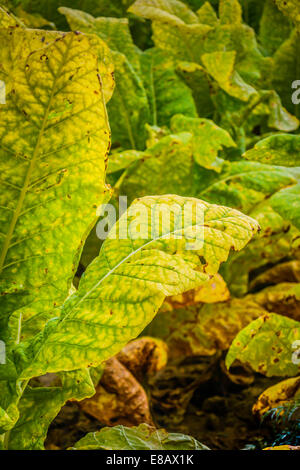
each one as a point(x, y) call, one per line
point(196, 397)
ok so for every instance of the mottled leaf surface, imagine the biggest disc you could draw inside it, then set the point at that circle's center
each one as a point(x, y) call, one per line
point(267, 346)
point(143, 437)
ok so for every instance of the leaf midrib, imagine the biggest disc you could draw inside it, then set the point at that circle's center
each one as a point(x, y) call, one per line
point(31, 167)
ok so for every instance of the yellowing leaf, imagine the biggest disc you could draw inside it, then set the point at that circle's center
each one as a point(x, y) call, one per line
point(50, 157)
point(277, 395)
point(207, 15)
point(202, 329)
point(143, 437)
point(281, 149)
point(267, 345)
point(290, 8)
point(164, 10)
point(230, 11)
point(124, 287)
point(208, 139)
point(220, 65)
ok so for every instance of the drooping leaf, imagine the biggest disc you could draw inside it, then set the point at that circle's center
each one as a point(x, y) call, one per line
point(164, 10)
point(288, 271)
point(119, 398)
point(267, 346)
point(277, 395)
point(275, 242)
point(220, 65)
point(125, 286)
point(208, 139)
point(143, 437)
point(282, 149)
point(47, 145)
point(242, 184)
point(176, 29)
point(282, 298)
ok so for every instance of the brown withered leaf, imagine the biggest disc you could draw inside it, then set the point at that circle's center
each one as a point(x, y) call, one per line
point(277, 395)
point(120, 397)
point(144, 356)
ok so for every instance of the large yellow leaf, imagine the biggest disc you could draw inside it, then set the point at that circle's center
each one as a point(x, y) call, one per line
point(54, 138)
point(124, 287)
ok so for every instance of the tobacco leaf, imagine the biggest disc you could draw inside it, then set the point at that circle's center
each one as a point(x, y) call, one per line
point(287, 203)
point(40, 130)
point(146, 271)
point(266, 345)
point(282, 149)
point(207, 142)
point(202, 329)
point(119, 398)
point(277, 395)
point(143, 437)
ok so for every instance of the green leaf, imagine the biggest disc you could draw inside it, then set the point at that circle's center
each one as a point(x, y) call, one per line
point(230, 12)
point(208, 139)
point(207, 15)
point(282, 149)
point(128, 109)
point(142, 437)
point(40, 405)
point(274, 28)
point(168, 167)
point(49, 10)
point(267, 346)
point(201, 85)
point(164, 10)
point(124, 287)
point(221, 66)
point(291, 8)
point(287, 204)
point(275, 242)
point(176, 29)
point(122, 160)
point(114, 31)
point(167, 94)
point(50, 157)
point(243, 185)
point(286, 71)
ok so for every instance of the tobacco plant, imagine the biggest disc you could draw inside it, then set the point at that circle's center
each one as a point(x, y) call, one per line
point(167, 103)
